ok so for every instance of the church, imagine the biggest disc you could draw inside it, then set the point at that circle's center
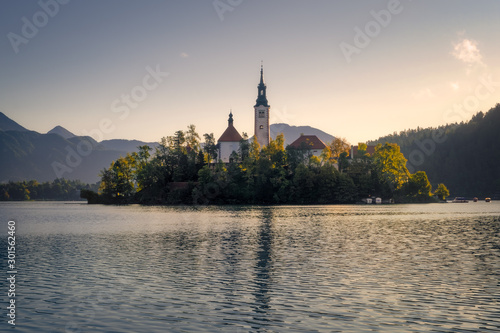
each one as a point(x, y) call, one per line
point(229, 141)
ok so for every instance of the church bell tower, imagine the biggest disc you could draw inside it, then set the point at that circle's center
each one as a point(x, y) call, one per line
point(261, 108)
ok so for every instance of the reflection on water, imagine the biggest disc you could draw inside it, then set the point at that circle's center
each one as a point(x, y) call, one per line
point(263, 267)
point(394, 268)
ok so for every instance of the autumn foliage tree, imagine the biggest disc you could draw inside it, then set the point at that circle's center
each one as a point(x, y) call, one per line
point(441, 192)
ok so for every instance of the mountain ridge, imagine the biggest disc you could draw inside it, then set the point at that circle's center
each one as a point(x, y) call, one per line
point(292, 132)
point(59, 130)
point(7, 124)
point(29, 155)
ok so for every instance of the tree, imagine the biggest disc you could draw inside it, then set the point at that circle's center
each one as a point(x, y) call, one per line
point(345, 190)
point(296, 156)
point(343, 163)
point(118, 182)
point(210, 147)
point(244, 147)
point(303, 185)
point(339, 146)
point(360, 170)
point(391, 165)
point(192, 138)
point(178, 140)
point(418, 186)
point(441, 192)
point(362, 147)
point(275, 151)
point(253, 152)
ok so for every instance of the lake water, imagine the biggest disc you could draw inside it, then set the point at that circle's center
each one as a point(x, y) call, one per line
point(390, 268)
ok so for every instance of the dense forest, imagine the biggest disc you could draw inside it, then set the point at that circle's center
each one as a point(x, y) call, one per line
point(465, 156)
point(183, 171)
point(59, 189)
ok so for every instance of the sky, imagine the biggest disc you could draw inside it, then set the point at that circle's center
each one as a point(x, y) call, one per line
point(118, 69)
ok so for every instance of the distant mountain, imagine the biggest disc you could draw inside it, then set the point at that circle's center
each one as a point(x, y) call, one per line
point(62, 132)
point(125, 145)
point(27, 155)
point(293, 132)
point(7, 124)
point(44, 157)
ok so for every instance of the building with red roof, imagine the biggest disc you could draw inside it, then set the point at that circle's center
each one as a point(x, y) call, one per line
point(310, 143)
point(229, 141)
point(354, 151)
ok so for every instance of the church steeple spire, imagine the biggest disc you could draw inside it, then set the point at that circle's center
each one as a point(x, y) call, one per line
point(262, 109)
point(261, 97)
point(230, 120)
point(261, 73)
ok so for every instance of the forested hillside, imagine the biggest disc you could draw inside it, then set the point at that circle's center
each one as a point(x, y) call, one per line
point(465, 156)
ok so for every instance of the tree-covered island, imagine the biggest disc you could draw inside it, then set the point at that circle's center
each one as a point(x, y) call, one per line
point(182, 170)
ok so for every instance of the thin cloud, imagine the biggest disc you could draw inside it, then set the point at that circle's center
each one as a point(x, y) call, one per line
point(468, 52)
point(184, 55)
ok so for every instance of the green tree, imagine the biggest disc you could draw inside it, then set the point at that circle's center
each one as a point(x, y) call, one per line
point(210, 148)
point(360, 170)
point(303, 185)
point(418, 186)
point(326, 181)
point(345, 190)
point(141, 174)
point(244, 149)
point(441, 192)
point(118, 182)
point(343, 162)
point(391, 165)
point(178, 141)
point(193, 139)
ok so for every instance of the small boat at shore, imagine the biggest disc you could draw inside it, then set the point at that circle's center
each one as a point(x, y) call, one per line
point(487, 199)
point(460, 200)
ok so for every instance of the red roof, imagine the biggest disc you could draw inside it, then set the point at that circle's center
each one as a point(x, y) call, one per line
point(369, 149)
point(230, 135)
point(310, 141)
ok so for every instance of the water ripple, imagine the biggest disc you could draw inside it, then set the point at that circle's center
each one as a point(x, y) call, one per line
point(415, 268)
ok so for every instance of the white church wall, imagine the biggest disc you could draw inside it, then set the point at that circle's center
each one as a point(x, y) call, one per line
point(226, 149)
